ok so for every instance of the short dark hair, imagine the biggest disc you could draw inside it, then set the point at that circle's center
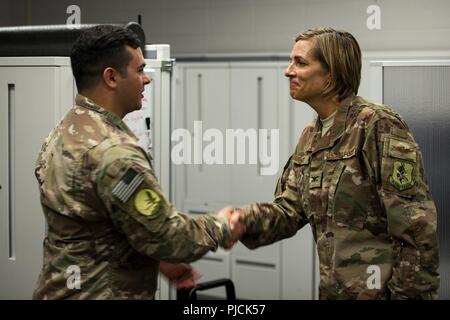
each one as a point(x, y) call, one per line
point(98, 48)
point(339, 53)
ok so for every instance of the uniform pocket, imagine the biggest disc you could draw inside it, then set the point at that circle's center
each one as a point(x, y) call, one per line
point(348, 194)
point(336, 176)
point(299, 164)
point(409, 260)
point(300, 174)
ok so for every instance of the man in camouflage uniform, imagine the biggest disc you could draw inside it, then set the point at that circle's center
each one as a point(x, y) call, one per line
point(358, 182)
point(109, 224)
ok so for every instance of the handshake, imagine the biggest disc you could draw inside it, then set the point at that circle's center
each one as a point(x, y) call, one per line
point(235, 220)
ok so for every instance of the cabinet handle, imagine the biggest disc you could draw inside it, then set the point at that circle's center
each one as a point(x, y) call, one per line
point(199, 93)
point(200, 111)
point(259, 98)
point(256, 264)
point(197, 212)
point(213, 259)
point(10, 112)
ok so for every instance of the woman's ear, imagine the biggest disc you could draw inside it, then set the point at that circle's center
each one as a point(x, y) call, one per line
point(328, 79)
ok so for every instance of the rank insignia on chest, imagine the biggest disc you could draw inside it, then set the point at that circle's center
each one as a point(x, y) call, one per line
point(315, 180)
point(401, 177)
point(129, 183)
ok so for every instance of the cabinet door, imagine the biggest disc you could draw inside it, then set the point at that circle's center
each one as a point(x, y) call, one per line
point(254, 106)
point(421, 95)
point(29, 108)
point(207, 104)
point(256, 273)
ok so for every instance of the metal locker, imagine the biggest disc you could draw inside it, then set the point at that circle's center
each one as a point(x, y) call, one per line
point(420, 92)
point(34, 94)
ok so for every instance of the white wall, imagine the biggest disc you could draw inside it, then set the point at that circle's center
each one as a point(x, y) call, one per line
point(236, 26)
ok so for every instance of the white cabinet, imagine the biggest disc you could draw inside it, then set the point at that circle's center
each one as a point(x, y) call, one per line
point(254, 106)
point(34, 94)
point(206, 95)
point(221, 97)
point(241, 95)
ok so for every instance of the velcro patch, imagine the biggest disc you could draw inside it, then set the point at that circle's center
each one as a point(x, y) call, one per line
point(147, 202)
point(128, 185)
point(401, 177)
point(402, 149)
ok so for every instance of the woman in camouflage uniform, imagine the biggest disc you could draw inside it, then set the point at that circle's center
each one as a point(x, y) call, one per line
point(357, 177)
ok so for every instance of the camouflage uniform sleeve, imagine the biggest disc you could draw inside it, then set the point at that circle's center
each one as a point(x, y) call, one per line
point(132, 196)
point(394, 162)
point(282, 218)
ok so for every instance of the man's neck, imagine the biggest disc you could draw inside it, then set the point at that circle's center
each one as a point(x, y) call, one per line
point(105, 101)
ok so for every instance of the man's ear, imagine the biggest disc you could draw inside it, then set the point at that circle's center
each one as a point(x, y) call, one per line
point(110, 77)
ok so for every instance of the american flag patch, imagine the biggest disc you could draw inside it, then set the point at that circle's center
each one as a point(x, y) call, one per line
point(127, 185)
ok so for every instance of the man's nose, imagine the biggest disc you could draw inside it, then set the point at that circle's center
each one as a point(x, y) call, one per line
point(147, 79)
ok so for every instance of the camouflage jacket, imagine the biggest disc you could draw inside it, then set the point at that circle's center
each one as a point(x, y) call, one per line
point(363, 190)
point(108, 222)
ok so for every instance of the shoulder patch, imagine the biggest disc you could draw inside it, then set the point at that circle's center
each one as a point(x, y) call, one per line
point(129, 183)
point(401, 177)
point(147, 202)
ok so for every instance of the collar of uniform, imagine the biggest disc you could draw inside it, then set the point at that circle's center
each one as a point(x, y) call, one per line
point(110, 117)
point(337, 129)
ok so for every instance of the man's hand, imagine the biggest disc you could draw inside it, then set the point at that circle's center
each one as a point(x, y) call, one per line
point(235, 221)
point(180, 275)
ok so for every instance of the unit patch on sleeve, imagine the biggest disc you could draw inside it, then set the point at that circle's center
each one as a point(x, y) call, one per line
point(147, 202)
point(401, 177)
